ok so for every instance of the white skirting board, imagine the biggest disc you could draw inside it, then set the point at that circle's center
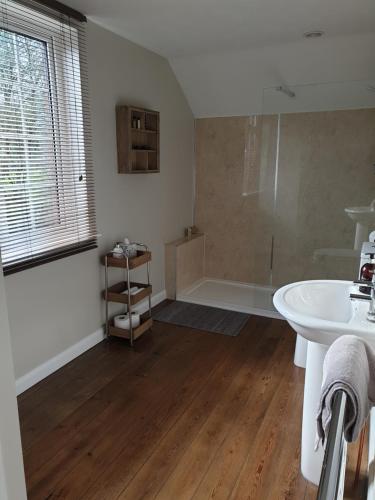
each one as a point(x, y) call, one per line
point(42, 371)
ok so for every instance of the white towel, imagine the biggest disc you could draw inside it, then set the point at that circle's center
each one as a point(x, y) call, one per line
point(349, 366)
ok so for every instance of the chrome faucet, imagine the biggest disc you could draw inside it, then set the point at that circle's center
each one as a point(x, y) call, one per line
point(368, 295)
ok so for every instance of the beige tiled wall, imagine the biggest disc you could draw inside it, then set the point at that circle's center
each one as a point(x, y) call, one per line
point(325, 164)
point(229, 203)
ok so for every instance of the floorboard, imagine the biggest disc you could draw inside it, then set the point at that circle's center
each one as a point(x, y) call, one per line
point(185, 415)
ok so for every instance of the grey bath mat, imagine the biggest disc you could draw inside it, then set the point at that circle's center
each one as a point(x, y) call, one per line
point(210, 319)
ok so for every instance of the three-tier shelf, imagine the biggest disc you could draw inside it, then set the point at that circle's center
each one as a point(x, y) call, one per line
point(121, 293)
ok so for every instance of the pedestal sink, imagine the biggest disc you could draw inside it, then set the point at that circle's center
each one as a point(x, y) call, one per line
point(320, 311)
point(364, 217)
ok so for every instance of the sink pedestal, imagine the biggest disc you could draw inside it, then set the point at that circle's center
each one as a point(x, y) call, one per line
point(361, 235)
point(311, 460)
point(300, 352)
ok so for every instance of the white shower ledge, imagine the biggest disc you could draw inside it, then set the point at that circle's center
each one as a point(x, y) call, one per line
point(348, 253)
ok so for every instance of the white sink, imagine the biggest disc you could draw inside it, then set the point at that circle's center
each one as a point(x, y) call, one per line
point(321, 310)
point(364, 217)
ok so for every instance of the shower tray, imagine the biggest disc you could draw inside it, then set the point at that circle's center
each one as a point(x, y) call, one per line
point(232, 295)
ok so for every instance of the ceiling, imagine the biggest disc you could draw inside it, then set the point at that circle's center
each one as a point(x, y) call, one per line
point(176, 28)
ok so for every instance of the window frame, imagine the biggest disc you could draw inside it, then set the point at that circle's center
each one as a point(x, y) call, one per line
point(56, 69)
point(54, 118)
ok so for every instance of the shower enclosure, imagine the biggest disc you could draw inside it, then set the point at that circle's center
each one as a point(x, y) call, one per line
point(273, 193)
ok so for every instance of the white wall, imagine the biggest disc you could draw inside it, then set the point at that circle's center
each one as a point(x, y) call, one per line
point(12, 481)
point(55, 305)
point(232, 83)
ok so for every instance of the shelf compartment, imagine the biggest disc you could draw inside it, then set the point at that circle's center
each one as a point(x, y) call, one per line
point(141, 258)
point(144, 130)
point(151, 121)
point(143, 142)
point(144, 150)
point(138, 114)
point(139, 160)
point(153, 162)
point(115, 293)
point(145, 325)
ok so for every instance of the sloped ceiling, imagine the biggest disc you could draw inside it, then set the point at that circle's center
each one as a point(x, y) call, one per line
point(225, 52)
point(240, 82)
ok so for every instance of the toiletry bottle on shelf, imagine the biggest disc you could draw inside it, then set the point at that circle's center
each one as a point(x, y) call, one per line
point(117, 251)
point(129, 249)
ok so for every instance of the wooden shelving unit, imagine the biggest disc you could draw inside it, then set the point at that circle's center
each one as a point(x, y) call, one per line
point(120, 292)
point(138, 140)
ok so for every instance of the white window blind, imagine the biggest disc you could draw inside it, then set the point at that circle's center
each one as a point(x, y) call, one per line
point(47, 207)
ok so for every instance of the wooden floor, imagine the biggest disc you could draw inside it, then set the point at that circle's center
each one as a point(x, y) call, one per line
point(186, 415)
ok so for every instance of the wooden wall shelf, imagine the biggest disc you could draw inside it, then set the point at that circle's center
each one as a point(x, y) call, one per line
point(138, 141)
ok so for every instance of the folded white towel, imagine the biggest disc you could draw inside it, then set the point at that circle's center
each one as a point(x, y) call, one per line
point(349, 366)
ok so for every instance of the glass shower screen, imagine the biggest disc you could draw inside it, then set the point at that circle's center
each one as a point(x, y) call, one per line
point(324, 154)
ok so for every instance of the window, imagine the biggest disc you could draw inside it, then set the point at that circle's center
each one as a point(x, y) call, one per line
point(46, 179)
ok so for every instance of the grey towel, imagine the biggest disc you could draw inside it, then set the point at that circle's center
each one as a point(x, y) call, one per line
point(349, 365)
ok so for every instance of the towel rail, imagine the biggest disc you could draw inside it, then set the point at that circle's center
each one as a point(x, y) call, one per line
point(332, 477)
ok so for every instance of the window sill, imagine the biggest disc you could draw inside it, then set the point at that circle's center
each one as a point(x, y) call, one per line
point(46, 258)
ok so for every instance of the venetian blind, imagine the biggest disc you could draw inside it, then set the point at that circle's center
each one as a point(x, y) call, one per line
point(47, 207)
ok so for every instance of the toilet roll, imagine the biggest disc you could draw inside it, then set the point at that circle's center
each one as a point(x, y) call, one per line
point(122, 321)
